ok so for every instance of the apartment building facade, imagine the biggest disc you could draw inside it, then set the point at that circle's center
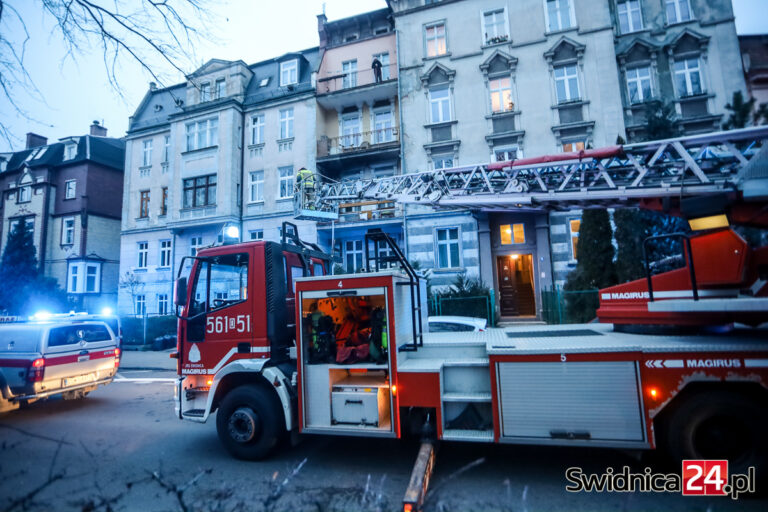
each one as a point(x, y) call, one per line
point(220, 149)
point(358, 126)
point(68, 195)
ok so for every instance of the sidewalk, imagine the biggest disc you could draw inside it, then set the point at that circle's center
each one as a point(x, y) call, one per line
point(149, 360)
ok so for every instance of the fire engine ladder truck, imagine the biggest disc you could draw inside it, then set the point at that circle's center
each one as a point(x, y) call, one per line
point(712, 178)
point(697, 177)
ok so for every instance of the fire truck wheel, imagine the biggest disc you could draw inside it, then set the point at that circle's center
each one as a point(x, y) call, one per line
point(720, 425)
point(250, 422)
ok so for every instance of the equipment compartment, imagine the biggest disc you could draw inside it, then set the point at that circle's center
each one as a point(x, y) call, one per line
point(360, 400)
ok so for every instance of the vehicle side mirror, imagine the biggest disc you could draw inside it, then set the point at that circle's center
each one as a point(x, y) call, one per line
point(180, 294)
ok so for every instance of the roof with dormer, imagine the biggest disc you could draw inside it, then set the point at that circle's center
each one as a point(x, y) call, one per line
point(107, 151)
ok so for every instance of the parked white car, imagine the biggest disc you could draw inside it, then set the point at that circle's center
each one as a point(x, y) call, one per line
point(456, 324)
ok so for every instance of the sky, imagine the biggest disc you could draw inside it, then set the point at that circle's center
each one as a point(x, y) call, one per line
point(74, 90)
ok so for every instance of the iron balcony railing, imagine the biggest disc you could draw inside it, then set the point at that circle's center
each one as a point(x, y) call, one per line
point(340, 80)
point(356, 142)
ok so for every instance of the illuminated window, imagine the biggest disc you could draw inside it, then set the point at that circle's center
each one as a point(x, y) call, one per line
point(512, 234)
point(434, 36)
point(573, 145)
point(573, 227)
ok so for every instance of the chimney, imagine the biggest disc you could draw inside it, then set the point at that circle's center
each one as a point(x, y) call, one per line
point(34, 140)
point(152, 86)
point(98, 130)
point(323, 35)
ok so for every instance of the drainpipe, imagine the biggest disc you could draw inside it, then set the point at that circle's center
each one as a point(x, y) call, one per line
point(402, 138)
point(242, 174)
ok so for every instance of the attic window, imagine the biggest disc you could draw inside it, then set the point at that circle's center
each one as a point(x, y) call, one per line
point(70, 150)
point(350, 37)
point(179, 102)
point(289, 72)
point(264, 82)
point(158, 108)
point(3, 164)
point(381, 30)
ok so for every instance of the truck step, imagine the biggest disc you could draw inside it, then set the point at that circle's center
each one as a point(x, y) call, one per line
point(466, 397)
point(195, 413)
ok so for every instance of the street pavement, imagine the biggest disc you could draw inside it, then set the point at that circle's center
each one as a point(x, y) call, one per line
point(122, 449)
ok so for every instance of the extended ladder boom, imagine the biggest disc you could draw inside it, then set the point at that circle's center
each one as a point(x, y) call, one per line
point(614, 176)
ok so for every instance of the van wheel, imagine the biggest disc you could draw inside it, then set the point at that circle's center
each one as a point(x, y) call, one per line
point(250, 422)
point(720, 425)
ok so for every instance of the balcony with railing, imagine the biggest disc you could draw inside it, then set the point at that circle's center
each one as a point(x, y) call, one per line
point(355, 144)
point(350, 86)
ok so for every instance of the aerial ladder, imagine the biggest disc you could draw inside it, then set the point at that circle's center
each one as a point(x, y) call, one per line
point(713, 180)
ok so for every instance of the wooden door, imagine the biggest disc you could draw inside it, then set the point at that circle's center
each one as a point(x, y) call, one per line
point(507, 272)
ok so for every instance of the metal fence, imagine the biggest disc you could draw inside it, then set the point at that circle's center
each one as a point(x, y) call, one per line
point(569, 306)
point(480, 306)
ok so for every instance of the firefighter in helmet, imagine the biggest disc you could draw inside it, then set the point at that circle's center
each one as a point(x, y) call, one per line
point(305, 183)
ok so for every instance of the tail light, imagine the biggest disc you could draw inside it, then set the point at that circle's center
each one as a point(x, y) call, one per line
point(36, 370)
point(117, 357)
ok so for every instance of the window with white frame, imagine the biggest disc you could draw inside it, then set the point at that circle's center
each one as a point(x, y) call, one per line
point(162, 303)
point(142, 251)
point(289, 72)
point(384, 59)
point(202, 134)
point(349, 70)
point(434, 39)
point(285, 183)
point(205, 92)
point(146, 153)
point(195, 243)
point(256, 234)
point(639, 85)
point(83, 277)
point(286, 123)
point(501, 94)
point(141, 304)
point(688, 77)
point(573, 145)
point(353, 255)
point(495, 26)
point(92, 272)
point(443, 161)
point(566, 83)
point(70, 189)
point(351, 135)
point(257, 187)
point(558, 15)
point(630, 16)
point(73, 280)
point(440, 104)
point(504, 154)
point(678, 11)
point(448, 252)
point(165, 253)
point(383, 123)
point(25, 194)
point(221, 88)
point(386, 255)
point(70, 150)
point(166, 149)
point(67, 230)
point(257, 129)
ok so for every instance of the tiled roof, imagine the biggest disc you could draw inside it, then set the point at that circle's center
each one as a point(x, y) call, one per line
point(103, 150)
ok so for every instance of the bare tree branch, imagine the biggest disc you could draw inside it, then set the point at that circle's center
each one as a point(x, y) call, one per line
point(158, 35)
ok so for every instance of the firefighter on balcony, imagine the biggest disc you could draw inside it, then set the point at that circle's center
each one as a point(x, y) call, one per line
point(305, 185)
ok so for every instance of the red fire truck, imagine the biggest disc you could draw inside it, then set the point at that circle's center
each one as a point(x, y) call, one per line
point(274, 345)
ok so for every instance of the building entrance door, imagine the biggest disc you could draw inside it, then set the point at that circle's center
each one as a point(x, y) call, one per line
point(515, 274)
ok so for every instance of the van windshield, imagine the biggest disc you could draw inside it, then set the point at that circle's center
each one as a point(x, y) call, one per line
point(72, 334)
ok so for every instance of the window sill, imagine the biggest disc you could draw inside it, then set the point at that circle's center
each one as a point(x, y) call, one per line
point(571, 103)
point(434, 57)
point(441, 124)
point(493, 45)
point(506, 113)
point(162, 216)
point(256, 145)
point(283, 141)
point(448, 270)
point(139, 270)
point(66, 245)
point(137, 219)
point(163, 269)
point(634, 32)
point(284, 198)
point(574, 28)
point(192, 208)
point(261, 201)
point(676, 23)
point(199, 150)
point(695, 97)
point(69, 199)
point(145, 167)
